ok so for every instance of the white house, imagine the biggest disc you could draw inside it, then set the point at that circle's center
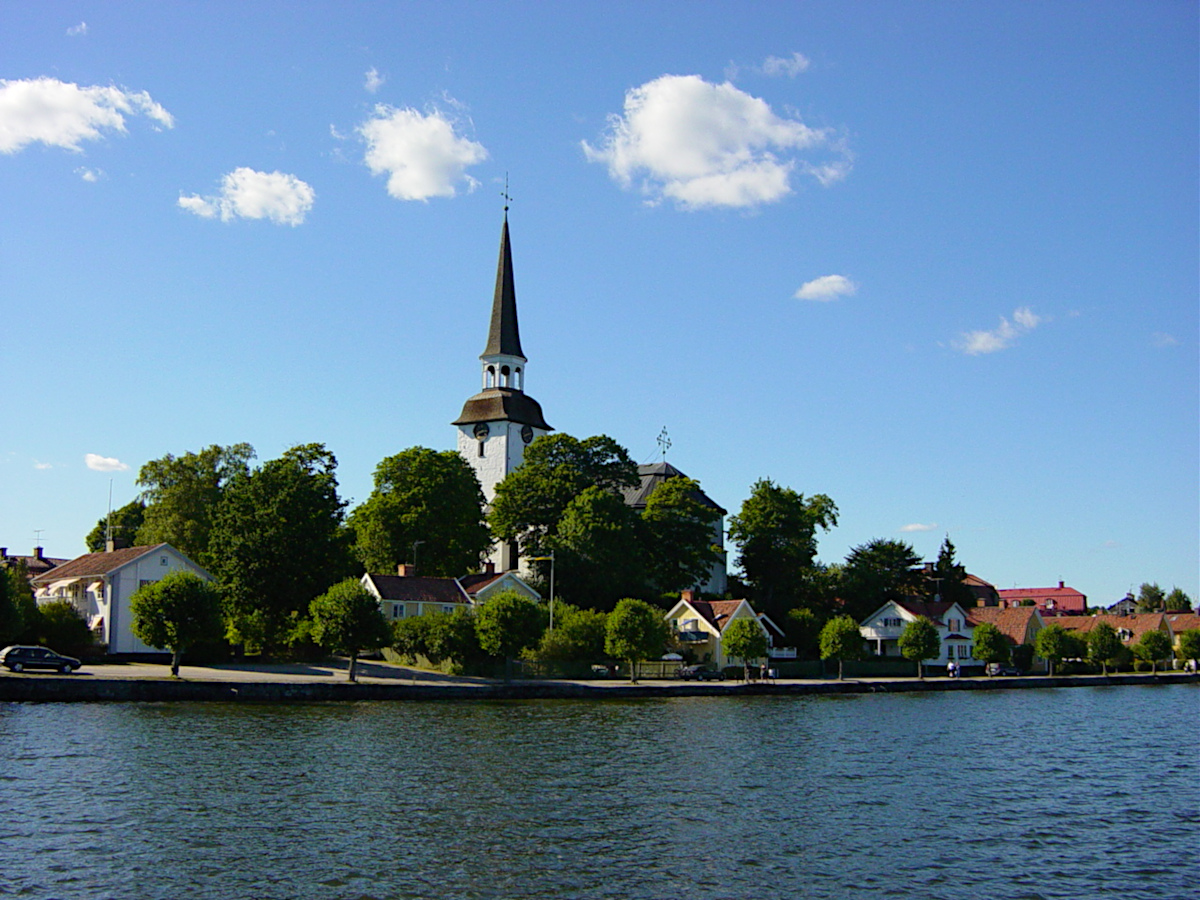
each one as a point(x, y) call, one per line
point(882, 629)
point(700, 625)
point(100, 585)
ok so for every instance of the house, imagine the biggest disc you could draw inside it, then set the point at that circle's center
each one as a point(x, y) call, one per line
point(1052, 601)
point(1020, 624)
point(1181, 622)
point(38, 564)
point(99, 585)
point(1126, 606)
point(650, 477)
point(984, 592)
point(882, 629)
point(698, 625)
point(1129, 628)
point(408, 594)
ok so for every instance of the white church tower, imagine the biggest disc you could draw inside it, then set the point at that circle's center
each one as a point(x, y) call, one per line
point(498, 423)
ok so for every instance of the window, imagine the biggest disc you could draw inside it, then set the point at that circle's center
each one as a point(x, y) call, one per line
point(447, 609)
point(891, 623)
point(964, 651)
point(397, 610)
point(162, 560)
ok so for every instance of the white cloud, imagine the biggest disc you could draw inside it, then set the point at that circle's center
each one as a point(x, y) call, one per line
point(791, 66)
point(707, 145)
point(827, 287)
point(90, 175)
point(1162, 339)
point(976, 343)
point(77, 30)
point(247, 194)
point(60, 114)
point(422, 155)
point(42, 466)
point(374, 81)
point(917, 526)
point(99, 463)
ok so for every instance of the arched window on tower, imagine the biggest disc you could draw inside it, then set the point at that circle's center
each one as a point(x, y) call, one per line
point(491, 376)
point(504, 376)
point(517, 381)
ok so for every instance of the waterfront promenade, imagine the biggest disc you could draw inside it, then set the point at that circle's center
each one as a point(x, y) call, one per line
point(326, 681)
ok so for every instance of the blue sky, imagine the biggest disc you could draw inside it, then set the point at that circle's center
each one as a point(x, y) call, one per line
point(936, 260)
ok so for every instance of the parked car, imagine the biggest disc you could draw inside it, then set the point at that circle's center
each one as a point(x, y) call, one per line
point(699, 673)
point(998, 669)
point(19, 658)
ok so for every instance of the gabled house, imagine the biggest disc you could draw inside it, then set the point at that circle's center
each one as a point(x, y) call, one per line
point(1126, 606)
point(1181, 622)
point(407, 594)
point(1051, 601)
point(1020, 624)
point(698, 625)
point(1129, 628)
point(882, 629)
point(35, 565)
point(99, 585)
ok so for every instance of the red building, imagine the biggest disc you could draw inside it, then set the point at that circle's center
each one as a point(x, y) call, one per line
point(1053, 601)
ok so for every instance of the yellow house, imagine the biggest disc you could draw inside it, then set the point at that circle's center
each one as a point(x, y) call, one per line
point(699, 624)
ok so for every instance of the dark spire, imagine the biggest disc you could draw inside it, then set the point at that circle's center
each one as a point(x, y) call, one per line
point(504, 337)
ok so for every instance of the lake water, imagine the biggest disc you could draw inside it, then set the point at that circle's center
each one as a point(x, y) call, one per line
point(1069, 793)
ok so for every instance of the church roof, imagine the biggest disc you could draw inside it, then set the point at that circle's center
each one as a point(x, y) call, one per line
point(504, 337)
point(501, 404)
point(651, 477)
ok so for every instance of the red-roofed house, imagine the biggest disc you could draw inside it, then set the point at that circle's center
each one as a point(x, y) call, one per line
point(407, 594)
point(35, 565)
point(1129, 628)
point(882, 629)
point(699, 624)
point(1052, 601)
point(1020, 624)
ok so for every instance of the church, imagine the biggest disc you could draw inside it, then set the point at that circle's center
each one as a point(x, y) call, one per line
point(498, 423)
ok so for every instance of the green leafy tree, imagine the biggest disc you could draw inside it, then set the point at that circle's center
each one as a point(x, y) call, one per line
point(1151, 598)
point(63, 628)
point(948, 575)
point(278, 542)
point(1189, 646)
point(508, 624)
point(453, 637)
point(680, 532)
point(125, 523)
point(802, 627)
point(12, 622)
point(991, 646)
point(1104, 646)
point(347, 619)
point(1053, 644)
point(413, 637)
point(841, 640)
point(557, 468)
point(423, 496)
point(1153, 647)
point(744, 639)
point(776, 535)
point(1022, 657)
point(919, 641)
point(600, 552)
point(879, 571)
point(1177, 601)
point(177, 613)
point(634, 631)
point(183, 496)
point(578, 635)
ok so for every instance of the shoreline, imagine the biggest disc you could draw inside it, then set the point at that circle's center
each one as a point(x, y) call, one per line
point(36, 688)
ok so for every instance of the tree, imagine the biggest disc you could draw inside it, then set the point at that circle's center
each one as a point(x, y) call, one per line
point(1151, 598)
point(176, 613)
point(841, 640)
point(919, 641)
point(278, 542)
point(1053, 644)
point(776, 535)
point(745, 639)
point(600, 550)
point(1189, 646)
point(124, 523)
point(183, 496)
point(25, 620)
point(1177, 601)
point(948, 577)
point(802, 627)
point(423, 496)
point(679, 528)
point(879, 571)
point(63, 628)
point(1104, 645)
point(531, 500)
point(1153, 647)
point(347, 619)
point(11, 618)
point(634, 631)
point(578, 635)
point(507, 624)
point(453, 637)
point(991, 646)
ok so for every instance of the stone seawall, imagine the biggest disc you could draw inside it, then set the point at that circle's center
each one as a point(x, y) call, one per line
point(63, 689)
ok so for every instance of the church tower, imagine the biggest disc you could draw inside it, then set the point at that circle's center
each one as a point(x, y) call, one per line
point(498, 423)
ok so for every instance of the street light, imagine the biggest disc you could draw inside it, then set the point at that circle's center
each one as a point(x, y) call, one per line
point(551, 559)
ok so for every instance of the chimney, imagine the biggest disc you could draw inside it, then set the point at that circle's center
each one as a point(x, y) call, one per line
point(3, 552)
point(1060, 585)
point(37, 552)
point(689, 596)
point(406, 570)
point(489, 568)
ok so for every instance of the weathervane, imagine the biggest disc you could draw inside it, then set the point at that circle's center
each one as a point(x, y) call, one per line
point(664, 443)
point(504, 193)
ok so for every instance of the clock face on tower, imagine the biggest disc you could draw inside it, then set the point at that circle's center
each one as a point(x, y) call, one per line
point(527, 433)
point(481, 431)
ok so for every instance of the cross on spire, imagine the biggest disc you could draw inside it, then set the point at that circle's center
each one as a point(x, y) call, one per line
point(504, 194)
point(664, 443)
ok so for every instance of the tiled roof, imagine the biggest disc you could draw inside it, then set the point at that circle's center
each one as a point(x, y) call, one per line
point(1050, 593)
point(34, 565)
point(717, 612)
point(651, 477)
point(93, 564)
point(418, 588)
point(501, 404)
point(1182, 621)
point(1013, 623)
point(1137, 625)
point(930, 610)
point(473, 584)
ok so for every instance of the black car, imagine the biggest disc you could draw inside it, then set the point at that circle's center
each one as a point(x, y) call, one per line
point(700, 673)
point(19, 658)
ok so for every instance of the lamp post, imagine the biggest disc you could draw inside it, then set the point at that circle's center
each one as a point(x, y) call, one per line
point(551, 559)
